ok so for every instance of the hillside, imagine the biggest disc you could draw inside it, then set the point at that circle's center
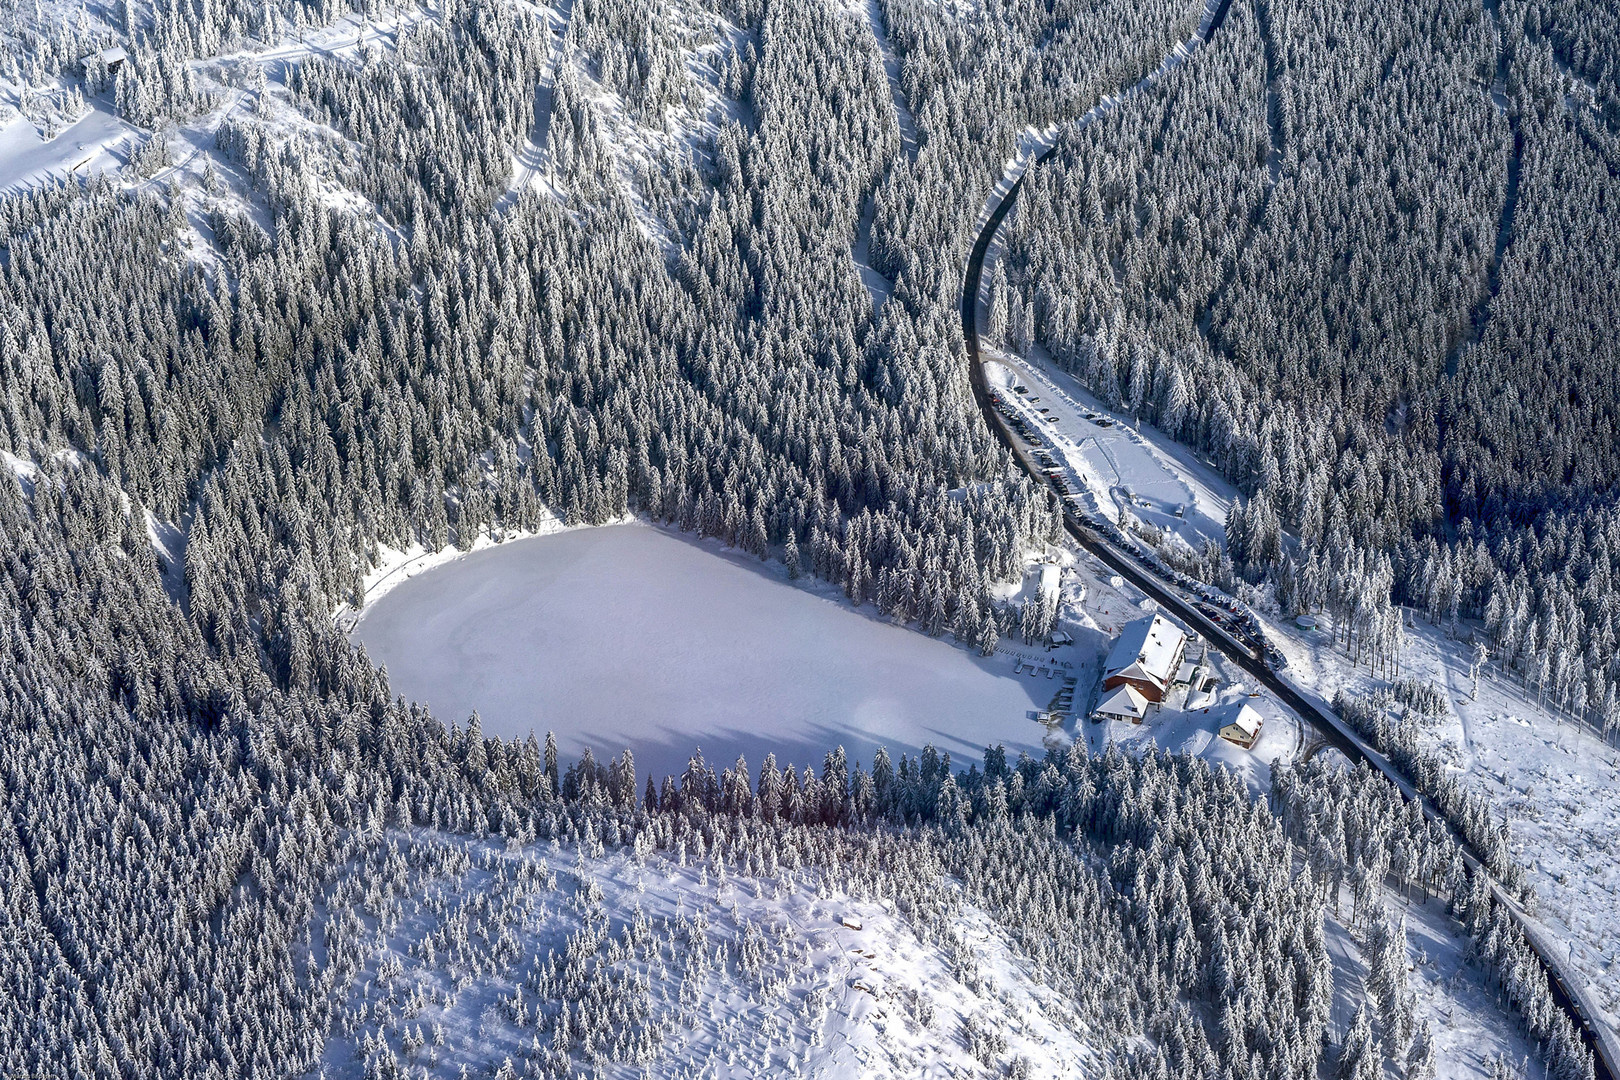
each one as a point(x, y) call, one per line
point(298, 302)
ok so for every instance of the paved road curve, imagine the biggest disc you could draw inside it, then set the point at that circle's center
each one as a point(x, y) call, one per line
point(1327, 724)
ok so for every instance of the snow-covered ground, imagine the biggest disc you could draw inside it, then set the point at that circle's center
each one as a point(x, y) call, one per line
point(531, 157)
point(1556, 784)
point(779, 972)
point(744, 976)
point(1196, 732)
point(98, 142)
point(1116, 462)
point(1470, 1029)
point(630, 636)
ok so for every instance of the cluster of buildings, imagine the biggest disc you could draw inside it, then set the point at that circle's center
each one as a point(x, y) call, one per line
point(1147, 662)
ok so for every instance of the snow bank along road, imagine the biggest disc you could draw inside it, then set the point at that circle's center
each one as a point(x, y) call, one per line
point(1566, 989)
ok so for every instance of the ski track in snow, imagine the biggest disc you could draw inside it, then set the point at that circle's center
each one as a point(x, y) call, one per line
point(531, 156)
point(872, 12)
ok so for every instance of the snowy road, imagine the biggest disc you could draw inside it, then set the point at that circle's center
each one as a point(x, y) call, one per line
point(1568, 989)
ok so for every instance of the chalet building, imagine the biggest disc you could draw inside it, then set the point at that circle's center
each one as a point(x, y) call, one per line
point(1241, 726)
point(1146, 657)
point(1125, 703)
point(108, 60)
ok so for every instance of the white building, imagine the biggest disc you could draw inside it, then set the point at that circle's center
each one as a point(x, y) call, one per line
point(1123, 704)
point(1240, 725)
point(1051, 582)
point(1147, 656)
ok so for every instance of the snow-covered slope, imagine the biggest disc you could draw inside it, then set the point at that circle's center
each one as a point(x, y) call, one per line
point(670, 964)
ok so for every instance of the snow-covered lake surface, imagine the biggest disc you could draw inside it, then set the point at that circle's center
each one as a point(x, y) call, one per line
point(629, 636)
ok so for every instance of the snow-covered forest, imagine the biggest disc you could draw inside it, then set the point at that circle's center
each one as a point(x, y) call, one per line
point(399, 278)
point(1362, 261)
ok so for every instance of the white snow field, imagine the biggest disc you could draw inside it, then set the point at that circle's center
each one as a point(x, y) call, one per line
point(732, 976)
point(1470, 1028)
point(630, 636)
point(1556, 785)
point(98, 142)
point(1117, 464)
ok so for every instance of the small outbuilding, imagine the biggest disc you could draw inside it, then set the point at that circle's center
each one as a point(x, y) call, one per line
point(107, 60)
point(1241, 726)
point(1126, 703)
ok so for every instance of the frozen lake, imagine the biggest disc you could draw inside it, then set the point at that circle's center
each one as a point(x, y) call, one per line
point(629, 636)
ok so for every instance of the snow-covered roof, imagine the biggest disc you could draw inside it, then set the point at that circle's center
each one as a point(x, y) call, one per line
point(109, 58)
point(1151, 645)
point(1125, 702)
point(1241, 716)
point(1051, 580)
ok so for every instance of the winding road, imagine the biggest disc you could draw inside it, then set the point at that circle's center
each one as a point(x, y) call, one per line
point(1566, 987)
